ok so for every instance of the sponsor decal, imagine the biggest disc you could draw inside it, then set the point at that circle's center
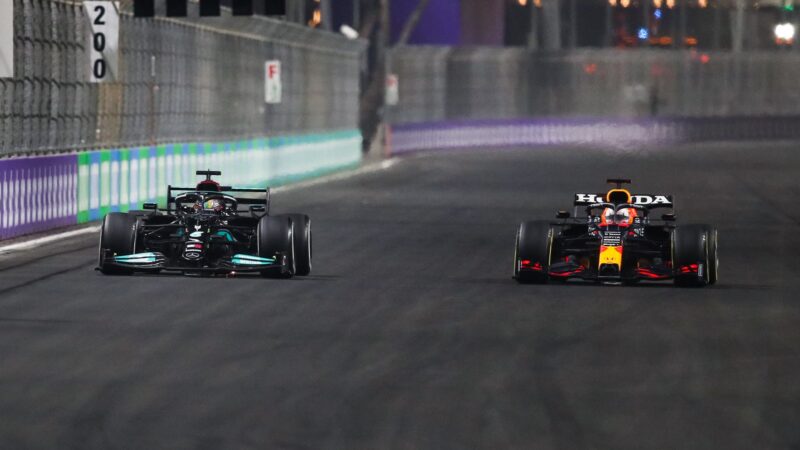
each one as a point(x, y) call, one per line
point(643, 200)
point(250, 260)
point(138, 258)
point(588, 198)
point(612, 238)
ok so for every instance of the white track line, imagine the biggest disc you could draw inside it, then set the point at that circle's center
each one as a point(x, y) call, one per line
point(370, 168)
point(27, 245)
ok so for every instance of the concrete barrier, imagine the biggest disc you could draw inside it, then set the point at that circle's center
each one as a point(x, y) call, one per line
point(42, 193)
point(623, 133)
point(37, 194)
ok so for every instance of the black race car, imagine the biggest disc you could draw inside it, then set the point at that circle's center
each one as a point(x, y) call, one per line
point(207, 230)
point(616, 242)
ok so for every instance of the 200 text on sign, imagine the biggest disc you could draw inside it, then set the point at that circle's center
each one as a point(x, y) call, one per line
point(104, 40)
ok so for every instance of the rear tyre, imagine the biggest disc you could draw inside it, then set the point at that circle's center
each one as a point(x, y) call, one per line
point(302, 243)
point(694, 258)
point(118, 236)
point(533, 249)
point(275, 238)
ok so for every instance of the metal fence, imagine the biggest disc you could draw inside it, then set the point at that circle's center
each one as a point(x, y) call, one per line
point(500, 83)
point(181, 80)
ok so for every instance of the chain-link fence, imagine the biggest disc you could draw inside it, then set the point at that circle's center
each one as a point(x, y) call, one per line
point(483, 83)
point(180, 80)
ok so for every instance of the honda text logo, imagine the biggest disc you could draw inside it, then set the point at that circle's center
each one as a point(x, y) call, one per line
point(643, 200)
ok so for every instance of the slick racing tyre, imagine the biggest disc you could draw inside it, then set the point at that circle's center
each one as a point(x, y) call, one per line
point(118, 236)
point(532, 252)
point(275, 239)
point(694, 255)
point(713, 263)
point(302, 243)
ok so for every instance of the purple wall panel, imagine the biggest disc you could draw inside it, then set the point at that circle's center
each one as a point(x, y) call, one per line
point(614, 133)
point(37, 194)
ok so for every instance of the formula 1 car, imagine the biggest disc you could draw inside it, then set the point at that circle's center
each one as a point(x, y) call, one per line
point(205, 231)
point(616, 242)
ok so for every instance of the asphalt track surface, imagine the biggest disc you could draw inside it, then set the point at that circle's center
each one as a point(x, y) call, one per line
point(411, 334)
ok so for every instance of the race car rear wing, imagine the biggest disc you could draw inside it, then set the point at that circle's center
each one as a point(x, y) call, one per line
point(250, 196)
point(648, 201)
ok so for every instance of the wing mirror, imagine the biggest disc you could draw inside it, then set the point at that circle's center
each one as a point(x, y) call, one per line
point(563, 215)
point(668, 217)
point(150, 206)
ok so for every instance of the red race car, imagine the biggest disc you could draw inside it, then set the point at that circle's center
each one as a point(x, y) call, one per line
point(617, 242)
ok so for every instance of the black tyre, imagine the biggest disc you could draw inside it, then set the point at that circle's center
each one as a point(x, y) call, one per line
point(713, 257)
point(117, 235)
point(302, 243)
point(275, 239)
point(694, 255)
point(532, 252)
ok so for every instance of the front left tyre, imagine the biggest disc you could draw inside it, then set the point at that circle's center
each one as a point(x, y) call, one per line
point(117, 237)
point(302, 243)
point(694, 255)
point(275, 239)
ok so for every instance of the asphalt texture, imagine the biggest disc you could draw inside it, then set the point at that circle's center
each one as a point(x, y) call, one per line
point(411, 334)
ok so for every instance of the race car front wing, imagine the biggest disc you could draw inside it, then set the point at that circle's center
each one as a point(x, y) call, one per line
point(150, 261)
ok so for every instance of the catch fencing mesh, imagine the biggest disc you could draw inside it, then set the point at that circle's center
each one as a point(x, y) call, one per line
point(180, 80)
point(440, 83)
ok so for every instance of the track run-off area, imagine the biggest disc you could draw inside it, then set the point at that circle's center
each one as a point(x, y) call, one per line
point(411, 334)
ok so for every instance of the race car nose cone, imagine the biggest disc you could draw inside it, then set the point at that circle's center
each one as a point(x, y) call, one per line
point(608, 270)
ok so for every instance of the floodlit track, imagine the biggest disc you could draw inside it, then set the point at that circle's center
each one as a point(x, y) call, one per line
point(411, 334)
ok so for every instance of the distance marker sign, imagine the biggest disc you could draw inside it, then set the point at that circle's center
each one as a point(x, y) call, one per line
point(103, 40)
point(6, 39)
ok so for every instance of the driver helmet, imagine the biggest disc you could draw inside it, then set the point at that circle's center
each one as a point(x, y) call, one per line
point(622, 217)
point(214, 204)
